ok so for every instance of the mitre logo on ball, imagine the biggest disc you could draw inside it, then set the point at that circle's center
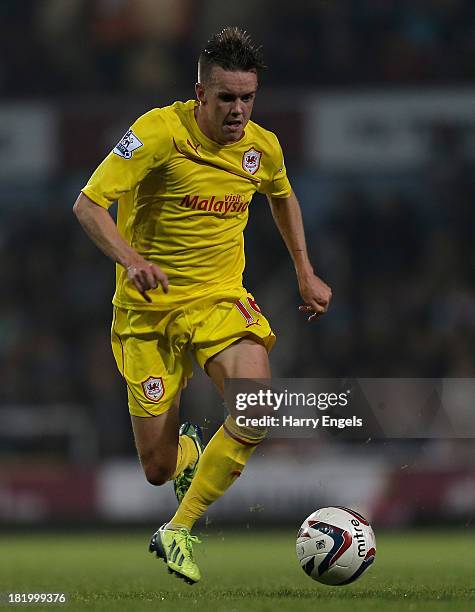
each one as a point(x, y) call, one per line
point(153, 388)
point(251, 160)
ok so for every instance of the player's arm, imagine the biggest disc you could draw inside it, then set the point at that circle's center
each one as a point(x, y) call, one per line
point(102, 229)
point(288, 218)
point(145, 145)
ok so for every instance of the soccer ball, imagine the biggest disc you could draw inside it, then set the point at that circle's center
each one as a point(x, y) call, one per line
point(335, 545)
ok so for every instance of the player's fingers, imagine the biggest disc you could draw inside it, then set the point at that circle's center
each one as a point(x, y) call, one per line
point(320, 305)
point(135, 275)
point(147, 279)
point(152, 276)
point(145, 296)
point(316, 309)
point(137, 280)
point(324, 300)
point(160, 277)
point(141, 287)
point(314, 306)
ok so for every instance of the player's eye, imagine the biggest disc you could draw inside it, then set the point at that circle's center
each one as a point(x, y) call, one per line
point(226, 97)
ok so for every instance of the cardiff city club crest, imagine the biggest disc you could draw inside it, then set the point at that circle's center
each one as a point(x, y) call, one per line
point(153, 388)
point(251, 160)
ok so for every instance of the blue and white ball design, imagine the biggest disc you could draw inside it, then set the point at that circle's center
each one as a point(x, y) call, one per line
point(335, 545)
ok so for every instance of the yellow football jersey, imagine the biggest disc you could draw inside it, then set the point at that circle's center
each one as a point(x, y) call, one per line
point(183, 201)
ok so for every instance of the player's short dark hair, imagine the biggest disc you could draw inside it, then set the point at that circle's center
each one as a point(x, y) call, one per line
point(232, 49)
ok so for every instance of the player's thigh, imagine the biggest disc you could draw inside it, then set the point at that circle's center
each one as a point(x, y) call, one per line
point(245, 358)
point(232, 339)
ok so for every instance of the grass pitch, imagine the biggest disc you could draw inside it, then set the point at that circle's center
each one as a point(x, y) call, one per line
point(242, 571)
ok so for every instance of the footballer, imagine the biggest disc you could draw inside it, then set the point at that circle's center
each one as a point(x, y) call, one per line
point(184, 176)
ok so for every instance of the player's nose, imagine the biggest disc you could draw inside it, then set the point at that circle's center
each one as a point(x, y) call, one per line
point(237, 108)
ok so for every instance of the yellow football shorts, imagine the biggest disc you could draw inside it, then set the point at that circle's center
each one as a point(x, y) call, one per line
point(152, 348)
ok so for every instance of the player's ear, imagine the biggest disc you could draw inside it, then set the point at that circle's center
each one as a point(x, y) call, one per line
point(200, 93)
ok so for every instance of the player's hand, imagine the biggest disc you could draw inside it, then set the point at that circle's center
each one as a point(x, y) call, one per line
point(316, 294)
point(145, 276)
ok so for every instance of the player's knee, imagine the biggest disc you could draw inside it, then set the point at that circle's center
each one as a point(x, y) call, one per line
point(254, 435)
point(157, 474)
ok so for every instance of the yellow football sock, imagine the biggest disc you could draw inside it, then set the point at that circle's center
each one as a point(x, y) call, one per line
point(187, 455)
point(221, 463)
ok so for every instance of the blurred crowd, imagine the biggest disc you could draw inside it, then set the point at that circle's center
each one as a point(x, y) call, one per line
point(115, 46)
point(401, 268)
